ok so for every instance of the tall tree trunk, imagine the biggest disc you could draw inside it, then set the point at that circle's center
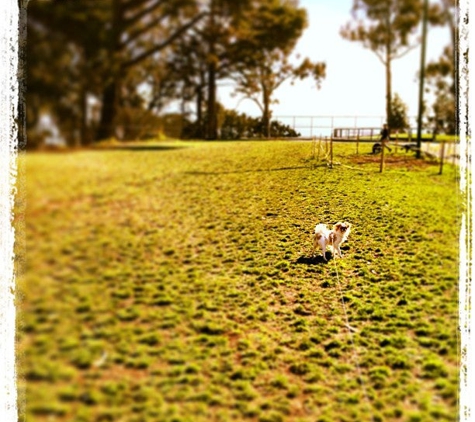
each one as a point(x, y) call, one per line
point(211, 127)
point(109, 95)
point(211, 124)
point(388, 92)
point(454, 29)
point(109, 102)
point(266, 115)
point(211, 121)
point(83, 134)
point(388, 67)
point(422, 78)
point(199, 112)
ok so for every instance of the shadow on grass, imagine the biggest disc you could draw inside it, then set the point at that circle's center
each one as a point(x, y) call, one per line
point(314, 260)
point(139, 148)
point(396, 159)
point(214, 173)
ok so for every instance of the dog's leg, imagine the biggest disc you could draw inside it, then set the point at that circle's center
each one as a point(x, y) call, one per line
point(318, 240)
point(336, 248)
point(333, 244)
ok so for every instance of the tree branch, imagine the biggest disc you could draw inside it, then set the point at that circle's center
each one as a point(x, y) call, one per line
point(258, 103)
point(165, 43)
point(131, 4)
point(141, 31)
point(380, 57)
point(150, 9)
point(403, 53)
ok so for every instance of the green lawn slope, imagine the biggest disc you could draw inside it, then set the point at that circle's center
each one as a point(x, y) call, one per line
point(174, 282)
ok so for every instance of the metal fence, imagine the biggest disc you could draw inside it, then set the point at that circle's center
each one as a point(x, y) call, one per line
point(322, 126)
point(442, 152)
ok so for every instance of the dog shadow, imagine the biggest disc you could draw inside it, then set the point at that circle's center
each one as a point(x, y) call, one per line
point(314, 260)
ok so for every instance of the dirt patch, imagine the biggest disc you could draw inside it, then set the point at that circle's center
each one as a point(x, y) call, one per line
point(393, 160)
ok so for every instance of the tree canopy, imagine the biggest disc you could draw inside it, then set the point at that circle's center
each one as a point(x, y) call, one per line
point(389, 28)
point(95, 66)
point(276, 27)
point(106, 40)
point(443, 74)
point(399, 119)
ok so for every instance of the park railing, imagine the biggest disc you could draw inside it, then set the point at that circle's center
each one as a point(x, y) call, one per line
point(371, 134)
point(438, 149)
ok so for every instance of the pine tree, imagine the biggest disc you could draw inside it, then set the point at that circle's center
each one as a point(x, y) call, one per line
point(273, 31)
point(388, 28)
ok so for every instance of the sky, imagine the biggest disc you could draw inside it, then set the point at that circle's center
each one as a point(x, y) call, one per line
point(355, 82)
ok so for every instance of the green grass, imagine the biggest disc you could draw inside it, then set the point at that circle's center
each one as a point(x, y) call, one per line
point(176, 284)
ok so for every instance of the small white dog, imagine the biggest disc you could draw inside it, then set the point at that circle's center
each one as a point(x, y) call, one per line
point(324, 237)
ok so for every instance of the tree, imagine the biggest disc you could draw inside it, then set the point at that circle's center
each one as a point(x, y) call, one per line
point(120, 35)
point(442, 75)
point(187, 67)
point(239, 126)
point(386, 27)
point(441, 80)
point(236, 42)
point(272, 32)
point(63, 65)
point(259, 83)
point(220, 35)
point(129, 42)
point(138, 55)
point(399, 119)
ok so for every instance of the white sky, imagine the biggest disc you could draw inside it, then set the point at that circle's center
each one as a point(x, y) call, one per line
point(355, 81)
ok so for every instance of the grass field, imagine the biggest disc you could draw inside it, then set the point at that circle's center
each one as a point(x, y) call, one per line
point(174, 282)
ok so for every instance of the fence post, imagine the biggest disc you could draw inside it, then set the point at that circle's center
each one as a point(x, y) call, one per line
point(331, 152)
point(319, 147)
point(442, 153)
point(314, 142)
point(357, 141)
